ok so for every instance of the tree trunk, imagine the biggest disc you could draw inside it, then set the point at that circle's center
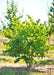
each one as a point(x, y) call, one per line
point(29, 68)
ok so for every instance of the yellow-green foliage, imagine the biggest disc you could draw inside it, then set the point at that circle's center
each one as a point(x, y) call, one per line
point(29, 40)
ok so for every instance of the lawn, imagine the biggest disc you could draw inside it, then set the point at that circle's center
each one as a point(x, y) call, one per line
point(22, 72)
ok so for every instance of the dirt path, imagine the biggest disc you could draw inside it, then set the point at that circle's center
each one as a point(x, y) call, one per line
point(6, 64)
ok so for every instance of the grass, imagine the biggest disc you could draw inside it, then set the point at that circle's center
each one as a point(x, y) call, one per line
point(51, 51)
point(50, 55)
point(22, 72)
point(17, 72)
point(45, 61)
point(2, 48)
point(10, 60)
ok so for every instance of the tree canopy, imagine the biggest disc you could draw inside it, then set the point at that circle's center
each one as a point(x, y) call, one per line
point(29, 41)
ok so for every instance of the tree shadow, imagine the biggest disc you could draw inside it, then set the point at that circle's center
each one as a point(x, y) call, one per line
point(20, 69)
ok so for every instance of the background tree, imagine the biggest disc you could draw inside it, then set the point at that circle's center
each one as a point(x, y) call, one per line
point(29, 42)
point(11, 14)
point(51, 18)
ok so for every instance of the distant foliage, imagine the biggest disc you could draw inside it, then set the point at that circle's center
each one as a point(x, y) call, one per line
point(51, 18)
point(12, 16)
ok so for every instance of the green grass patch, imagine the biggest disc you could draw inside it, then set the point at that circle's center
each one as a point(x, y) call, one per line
point(13, 72)
point(51, 51)
point(17, 72)
point(50, 55)
point(2, 48)
point(45, 61)
point(10, 60)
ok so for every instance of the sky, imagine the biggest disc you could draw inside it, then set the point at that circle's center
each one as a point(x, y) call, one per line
point(35, 8)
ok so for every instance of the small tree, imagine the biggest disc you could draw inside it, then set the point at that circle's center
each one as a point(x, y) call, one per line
point(29, 42)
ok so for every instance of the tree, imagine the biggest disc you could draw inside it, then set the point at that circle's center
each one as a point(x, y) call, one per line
point(11, 14)
point(28, 39)
point(51, 18)
point(29, 42)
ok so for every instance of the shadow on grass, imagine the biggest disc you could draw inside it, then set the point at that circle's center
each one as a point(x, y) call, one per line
point(20, 69)
point(13, 71)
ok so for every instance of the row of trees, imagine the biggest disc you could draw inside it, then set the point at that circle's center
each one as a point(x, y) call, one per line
point(28, 39)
